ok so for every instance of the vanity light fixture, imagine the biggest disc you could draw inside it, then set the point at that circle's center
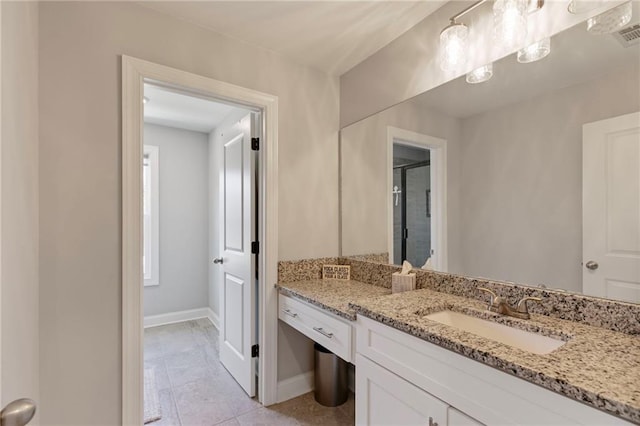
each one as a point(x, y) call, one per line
point(510, 27)
point(453, 47)
point(611, 20)
point(535, 51)
point(510, 22)
point(480, 75)
point(453, 41)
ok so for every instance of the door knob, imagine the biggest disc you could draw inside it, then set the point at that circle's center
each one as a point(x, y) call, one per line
point(218, 261)
point(18, 413)
point(592, 265)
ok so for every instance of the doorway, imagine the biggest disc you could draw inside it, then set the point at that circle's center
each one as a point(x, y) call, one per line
point(417, 206)
point(258, 330)
point(411, 205)
point(193, 211)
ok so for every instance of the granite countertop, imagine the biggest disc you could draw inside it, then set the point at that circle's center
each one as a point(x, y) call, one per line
point(333, 295)
point(596, 366)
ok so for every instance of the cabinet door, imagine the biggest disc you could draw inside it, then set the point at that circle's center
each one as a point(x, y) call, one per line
point(382, 398)
point(456, 418)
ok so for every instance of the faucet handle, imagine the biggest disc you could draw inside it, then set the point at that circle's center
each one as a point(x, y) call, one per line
point(522, 304)
point(494, 296)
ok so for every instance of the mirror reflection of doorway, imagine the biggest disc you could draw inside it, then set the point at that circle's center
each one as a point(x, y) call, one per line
point(411, 204)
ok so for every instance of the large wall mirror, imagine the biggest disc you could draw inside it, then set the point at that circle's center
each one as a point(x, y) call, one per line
point(532, 176)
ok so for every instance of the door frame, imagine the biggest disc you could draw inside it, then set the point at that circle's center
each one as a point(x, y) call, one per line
point(134, 74)
point(438, 158)
point(0, 202)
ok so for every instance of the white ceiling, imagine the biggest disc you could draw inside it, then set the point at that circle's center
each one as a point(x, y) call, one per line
point(173, 109)
point(332, 36)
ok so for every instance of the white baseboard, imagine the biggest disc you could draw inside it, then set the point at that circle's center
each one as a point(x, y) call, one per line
point(295, 386)
point(180, 316)
point(214, 318)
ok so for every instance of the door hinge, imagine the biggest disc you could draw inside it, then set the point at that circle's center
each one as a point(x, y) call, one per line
point(255, 247)
point(255, 351)
point(255, 144)
point(405, 233)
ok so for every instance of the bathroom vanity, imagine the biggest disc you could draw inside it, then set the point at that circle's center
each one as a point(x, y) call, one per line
point(412, 369)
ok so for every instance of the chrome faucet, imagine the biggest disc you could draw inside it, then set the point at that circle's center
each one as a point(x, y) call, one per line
point(500, 305)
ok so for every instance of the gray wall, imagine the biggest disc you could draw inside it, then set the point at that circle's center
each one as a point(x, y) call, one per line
point(19, 215)
point(184, 220)
point(80, 178)
point(521, 174)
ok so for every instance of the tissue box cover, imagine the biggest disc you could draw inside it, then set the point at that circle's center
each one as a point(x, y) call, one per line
point(400, 283)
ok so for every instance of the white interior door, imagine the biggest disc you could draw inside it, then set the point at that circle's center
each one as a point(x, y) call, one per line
point(237, 220)
point(611, 208)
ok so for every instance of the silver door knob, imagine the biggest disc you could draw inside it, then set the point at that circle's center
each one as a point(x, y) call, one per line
point(218, 261)
point(18, 413)
point(592, 265)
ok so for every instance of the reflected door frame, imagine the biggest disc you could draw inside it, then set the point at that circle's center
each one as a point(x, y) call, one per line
point(438, 158)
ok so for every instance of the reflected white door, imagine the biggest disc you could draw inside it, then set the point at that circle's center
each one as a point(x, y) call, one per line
point(237, 219)
point(611, 208)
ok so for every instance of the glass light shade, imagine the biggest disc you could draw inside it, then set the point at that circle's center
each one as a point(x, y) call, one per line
point(535, 52)
point(611, 20)
point(481, 74)
point(581, 6)
point(510, 20)
point(453, 47)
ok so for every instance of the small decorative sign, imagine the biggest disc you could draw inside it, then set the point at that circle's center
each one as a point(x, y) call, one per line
point(336, 272)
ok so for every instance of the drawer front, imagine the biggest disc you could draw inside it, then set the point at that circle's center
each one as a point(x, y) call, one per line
point(321, 327)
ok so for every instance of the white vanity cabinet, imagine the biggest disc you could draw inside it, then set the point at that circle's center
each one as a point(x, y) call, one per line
point(404, 380)
point(383, 398)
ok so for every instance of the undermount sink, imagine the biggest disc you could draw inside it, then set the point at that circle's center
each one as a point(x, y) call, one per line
point(521, 339)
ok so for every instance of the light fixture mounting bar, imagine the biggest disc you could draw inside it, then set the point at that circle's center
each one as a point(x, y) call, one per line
point(459, 15)
point(534, 6)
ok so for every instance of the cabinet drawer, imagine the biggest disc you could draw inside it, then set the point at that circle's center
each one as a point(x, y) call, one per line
point(321, 327)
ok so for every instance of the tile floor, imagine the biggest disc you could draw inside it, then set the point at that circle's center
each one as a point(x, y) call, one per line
point(196, 390)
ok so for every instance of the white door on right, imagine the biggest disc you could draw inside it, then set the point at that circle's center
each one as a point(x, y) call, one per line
point(611, 208)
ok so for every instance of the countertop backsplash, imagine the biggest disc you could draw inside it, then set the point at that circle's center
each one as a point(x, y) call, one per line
point(617, 316)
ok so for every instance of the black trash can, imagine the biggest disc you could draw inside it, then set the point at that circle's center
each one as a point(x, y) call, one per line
point(331, 377)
